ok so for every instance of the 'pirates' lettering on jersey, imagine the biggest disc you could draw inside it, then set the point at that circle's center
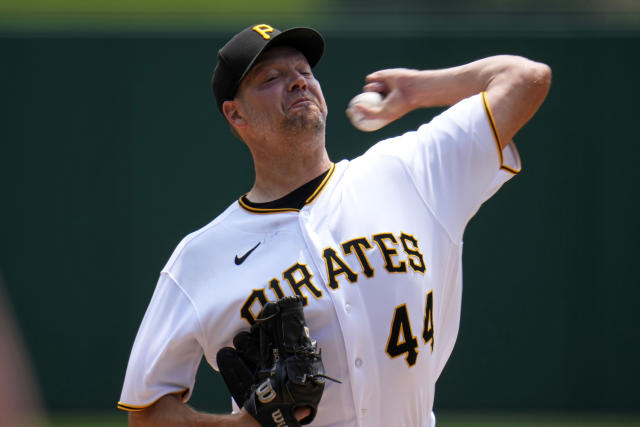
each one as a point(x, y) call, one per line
point(335, 266)
point(298, 275)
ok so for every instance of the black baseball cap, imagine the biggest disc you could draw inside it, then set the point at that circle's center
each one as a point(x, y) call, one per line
point(236, 58)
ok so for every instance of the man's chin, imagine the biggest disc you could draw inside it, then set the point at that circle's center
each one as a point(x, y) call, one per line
point(305, 120)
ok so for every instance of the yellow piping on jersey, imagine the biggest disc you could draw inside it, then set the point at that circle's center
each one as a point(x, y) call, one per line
point(322, 185)
point(134, 408)
point(309, 200)
point(496, 136)
point(265, 210)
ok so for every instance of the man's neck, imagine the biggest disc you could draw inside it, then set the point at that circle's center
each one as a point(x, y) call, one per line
point(278, 176)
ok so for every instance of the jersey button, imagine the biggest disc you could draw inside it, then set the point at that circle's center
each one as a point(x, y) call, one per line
point(358, 362)
point(347, 308)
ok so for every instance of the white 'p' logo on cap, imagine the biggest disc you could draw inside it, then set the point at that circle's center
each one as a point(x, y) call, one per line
point(263, 30)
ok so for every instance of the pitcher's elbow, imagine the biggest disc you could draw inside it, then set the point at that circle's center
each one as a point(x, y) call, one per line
point(539, 76)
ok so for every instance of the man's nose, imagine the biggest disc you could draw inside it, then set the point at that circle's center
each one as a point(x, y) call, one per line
point(298, 82)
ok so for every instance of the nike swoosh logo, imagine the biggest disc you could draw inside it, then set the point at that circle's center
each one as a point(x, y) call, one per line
point(240, 260)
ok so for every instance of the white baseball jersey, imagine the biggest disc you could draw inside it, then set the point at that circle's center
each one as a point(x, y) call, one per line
point(376, 254)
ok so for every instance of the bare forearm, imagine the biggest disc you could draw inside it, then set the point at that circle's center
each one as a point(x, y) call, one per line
point(447, 86)
point(171, 411)
point(515, 89)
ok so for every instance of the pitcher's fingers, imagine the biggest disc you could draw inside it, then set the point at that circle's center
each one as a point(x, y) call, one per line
point(375, 87)
point(376, 76)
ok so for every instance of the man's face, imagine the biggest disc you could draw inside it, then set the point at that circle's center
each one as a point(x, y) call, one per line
point(281, 93)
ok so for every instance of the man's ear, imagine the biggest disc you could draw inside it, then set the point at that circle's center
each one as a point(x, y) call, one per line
point(231, 113)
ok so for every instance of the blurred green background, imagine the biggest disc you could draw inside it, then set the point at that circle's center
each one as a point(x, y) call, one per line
point(111, 150)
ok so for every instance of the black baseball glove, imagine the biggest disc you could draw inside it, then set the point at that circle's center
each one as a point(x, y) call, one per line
point(275, 368)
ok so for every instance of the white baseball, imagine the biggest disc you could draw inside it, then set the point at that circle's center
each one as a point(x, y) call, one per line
point(370, 99)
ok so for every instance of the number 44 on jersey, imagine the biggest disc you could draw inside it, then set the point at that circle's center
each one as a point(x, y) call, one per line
point(401, 340)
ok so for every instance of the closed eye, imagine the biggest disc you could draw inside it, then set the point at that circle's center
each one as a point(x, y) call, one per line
point(269, 79)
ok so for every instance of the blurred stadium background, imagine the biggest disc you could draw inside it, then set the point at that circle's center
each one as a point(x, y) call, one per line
point(111, 150)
